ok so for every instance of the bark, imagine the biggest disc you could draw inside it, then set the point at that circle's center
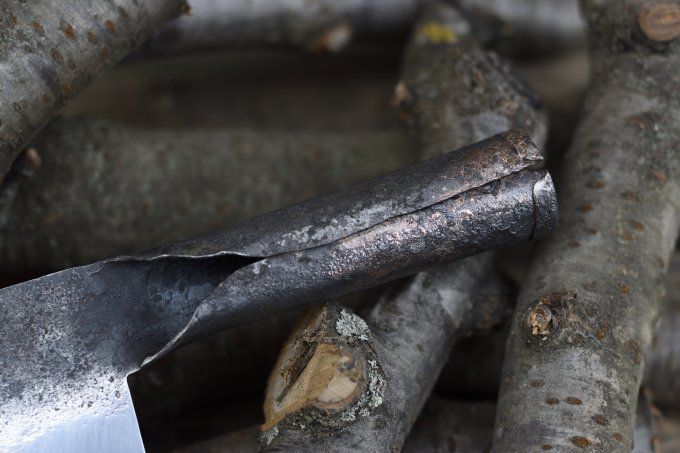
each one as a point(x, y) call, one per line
point(342, 383)
point(448, 426)
point(443, 426)
point(51, 50)
point(117, 186)
point(585, 313)
point(416, 327)
point(453, 93)
point(515, 26)
point(662, 361)
point(521, 26)
point(319, 25)
point(23, 168)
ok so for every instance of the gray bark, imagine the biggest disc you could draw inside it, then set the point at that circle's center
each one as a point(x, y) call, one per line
point(318, 25)
point(453, 93)
point(513, 26)
point(521, 26)
point(662, 361)
point(50, 50)
point(415, 327)
point(448, 426)
point(124, 189)
point(584, 317)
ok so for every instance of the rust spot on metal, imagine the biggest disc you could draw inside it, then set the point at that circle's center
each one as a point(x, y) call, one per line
point(574, 243)
point(552, 401)
point(537, 383)
point(37, 27)
point(573, 401)
point(626, 236)
point(585, 207)
point(14, 21)
point(92, 37)
point(65, 89)
point(624, 289)
point(68, 30)
point(110, 26)
point(618, 437)
point(590, 230)
point(596, 184)
point(546, 447)
point(660, 21)
point(106, 52)
point(638, 226)
point(600, 419)
point(580, 441)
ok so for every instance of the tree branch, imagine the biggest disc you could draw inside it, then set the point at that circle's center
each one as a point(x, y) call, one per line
point(585, 314)
point(117, 185)
point(50, 50)
point(414, 328)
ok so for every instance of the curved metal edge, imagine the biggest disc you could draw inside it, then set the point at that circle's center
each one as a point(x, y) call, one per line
point(545, 206)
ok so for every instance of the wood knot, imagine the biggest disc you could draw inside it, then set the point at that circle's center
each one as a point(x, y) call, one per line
point(660, 22)
point(539, 319)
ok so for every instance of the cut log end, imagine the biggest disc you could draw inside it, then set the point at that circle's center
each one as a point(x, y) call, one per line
point(324, 372)
point(660, 21)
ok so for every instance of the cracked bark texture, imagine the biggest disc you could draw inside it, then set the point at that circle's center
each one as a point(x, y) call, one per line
point(388, 364)
point(50, 50)
point(117, 186)
point(585, 314)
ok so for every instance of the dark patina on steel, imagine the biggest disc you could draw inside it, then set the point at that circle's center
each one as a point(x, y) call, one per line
point(71, 338)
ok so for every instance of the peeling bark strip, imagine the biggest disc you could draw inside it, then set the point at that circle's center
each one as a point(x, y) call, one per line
point(116, 314)
point(352, 384)
point(51, 49)
point(414, 328)
point(600, 276)
point(117, 185)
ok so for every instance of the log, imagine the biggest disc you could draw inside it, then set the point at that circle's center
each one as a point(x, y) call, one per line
point(125, 189)
point(585, 313)
point(50, 50)
point(343, 383)
point(439, 104)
